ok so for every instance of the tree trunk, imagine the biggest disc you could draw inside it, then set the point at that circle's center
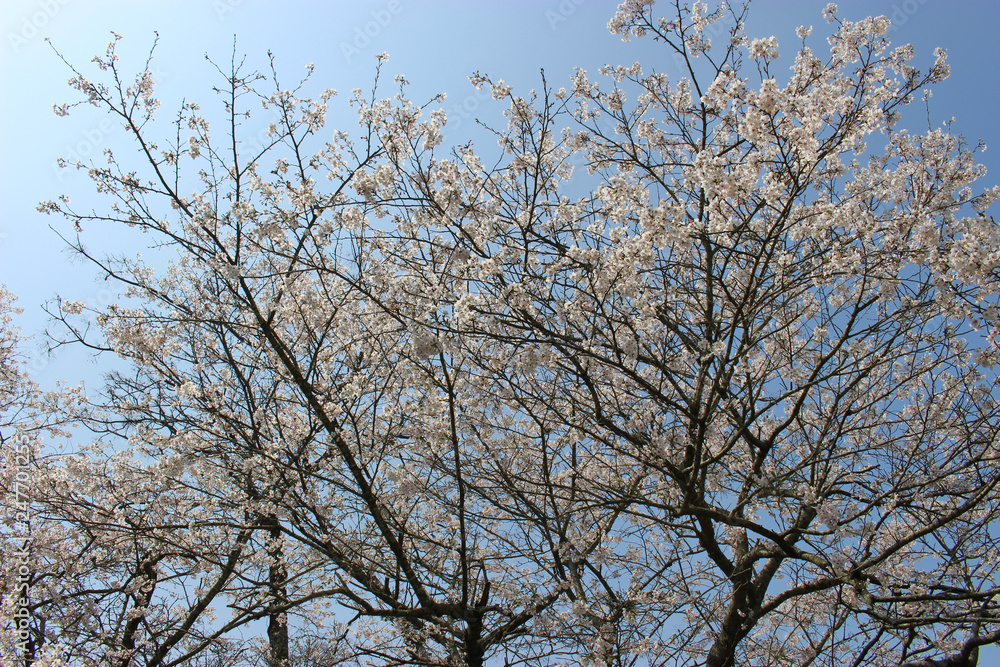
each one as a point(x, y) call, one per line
point(277, 620)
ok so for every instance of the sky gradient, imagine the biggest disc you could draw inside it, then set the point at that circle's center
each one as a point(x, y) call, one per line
point(436, 44)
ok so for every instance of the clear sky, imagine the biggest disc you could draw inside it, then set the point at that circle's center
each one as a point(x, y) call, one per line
point(436, 44)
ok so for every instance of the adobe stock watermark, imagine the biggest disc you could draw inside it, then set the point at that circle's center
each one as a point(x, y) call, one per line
point(223, 7)
point(901, 12)
point(89, 142)
point(97, 301)
point(262, 141)
point(467, 108)
point(363, 35)
point(21, 559)
point(31, 24)
point(563, 12)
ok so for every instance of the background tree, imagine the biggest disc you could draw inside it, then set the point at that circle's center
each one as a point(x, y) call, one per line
point(734, 405)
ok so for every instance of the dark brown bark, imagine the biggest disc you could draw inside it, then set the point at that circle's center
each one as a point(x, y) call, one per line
point(147, 572)
point(277, 620)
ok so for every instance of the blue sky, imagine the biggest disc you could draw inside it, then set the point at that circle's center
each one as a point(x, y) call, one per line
point(436, 44)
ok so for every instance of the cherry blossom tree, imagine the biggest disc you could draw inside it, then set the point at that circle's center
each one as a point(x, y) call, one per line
point(17, 435)
point(734, 404)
